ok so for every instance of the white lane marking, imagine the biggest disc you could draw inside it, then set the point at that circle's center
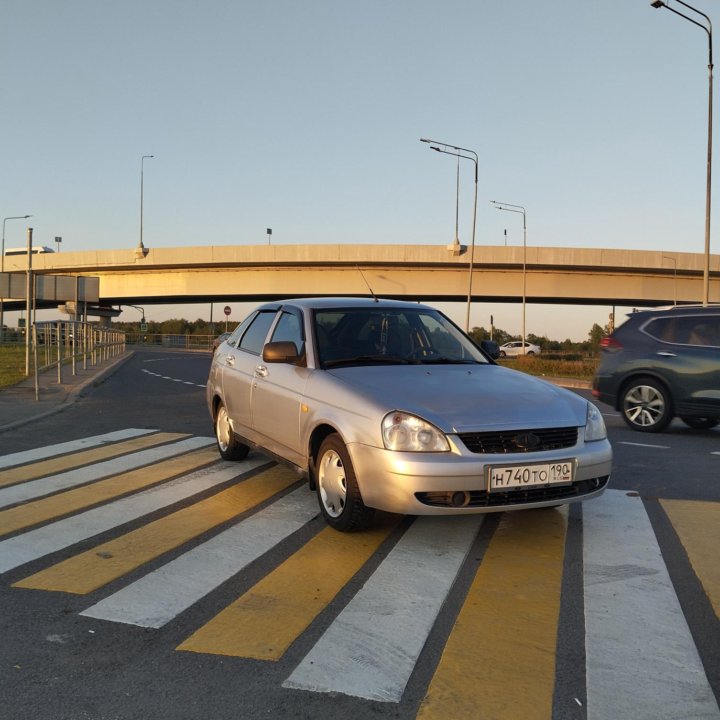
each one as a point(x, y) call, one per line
point(43, 453)
point(90, 473)
point(157, 598)
point(641, 662)
point(34, 544)
point(372, 647)
point(634, 444)
point(166, 377)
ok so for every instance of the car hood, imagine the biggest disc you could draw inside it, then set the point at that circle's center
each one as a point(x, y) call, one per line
point(462, 398)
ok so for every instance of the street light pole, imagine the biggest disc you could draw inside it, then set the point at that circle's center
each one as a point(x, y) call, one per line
point(141, 251)
point(2, 269)
point(472, 155)
point(708, 29)
point(519, 209)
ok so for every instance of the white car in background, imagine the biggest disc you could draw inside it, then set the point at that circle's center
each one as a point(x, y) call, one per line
point(515, 348)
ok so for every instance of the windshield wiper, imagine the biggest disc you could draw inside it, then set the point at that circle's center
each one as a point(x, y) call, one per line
point(369, 360)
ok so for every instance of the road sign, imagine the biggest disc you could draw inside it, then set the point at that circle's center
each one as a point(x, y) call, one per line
point(227, 310)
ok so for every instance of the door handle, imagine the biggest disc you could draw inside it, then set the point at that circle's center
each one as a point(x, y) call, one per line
point(261, 371)
point(230, 360)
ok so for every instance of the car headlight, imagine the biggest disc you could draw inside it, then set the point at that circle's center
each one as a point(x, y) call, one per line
point(595, 425)
point(408, 433)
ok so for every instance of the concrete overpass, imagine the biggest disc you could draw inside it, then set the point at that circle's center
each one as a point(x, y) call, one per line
point(432, 272)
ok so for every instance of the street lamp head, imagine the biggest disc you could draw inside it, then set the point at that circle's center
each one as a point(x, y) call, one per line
point(657, 4)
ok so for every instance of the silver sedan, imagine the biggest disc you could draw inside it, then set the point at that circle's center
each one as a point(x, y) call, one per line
point(388, 405)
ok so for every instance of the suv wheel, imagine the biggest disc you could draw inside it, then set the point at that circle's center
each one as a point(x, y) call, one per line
point(646, 405)
point(697, 423)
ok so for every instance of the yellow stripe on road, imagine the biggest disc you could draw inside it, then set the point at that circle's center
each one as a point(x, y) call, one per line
point(264, 622)
point(102, 564)
point(506, 632)
point(86, 457)
point(698, 527)
point(55, 506)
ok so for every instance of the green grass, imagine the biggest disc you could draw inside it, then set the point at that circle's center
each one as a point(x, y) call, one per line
point(577, 369)
point(12, 364)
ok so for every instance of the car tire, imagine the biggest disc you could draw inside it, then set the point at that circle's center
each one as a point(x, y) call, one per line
point(530, 352)
point(338, 493)
point(229, 447)
point(502, 354)
point(698, 423)
point(646, 405)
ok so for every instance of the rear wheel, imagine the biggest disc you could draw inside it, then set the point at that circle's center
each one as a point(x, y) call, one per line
point(338, 492)
point(229, 447)
point(697, 423)
point(646, 405)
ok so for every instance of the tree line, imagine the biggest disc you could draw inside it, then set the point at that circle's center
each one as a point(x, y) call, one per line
point(565, 347)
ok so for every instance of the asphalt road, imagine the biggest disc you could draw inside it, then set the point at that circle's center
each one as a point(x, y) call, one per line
point(116, 606)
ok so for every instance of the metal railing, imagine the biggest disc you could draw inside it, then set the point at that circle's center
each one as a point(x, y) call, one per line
point(182, 342)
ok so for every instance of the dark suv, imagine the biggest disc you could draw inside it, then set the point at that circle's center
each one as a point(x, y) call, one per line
point(663, 363)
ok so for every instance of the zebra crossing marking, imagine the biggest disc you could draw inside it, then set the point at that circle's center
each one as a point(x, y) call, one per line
point(371, 648)
point(641, 660)
point(157, 598)
point(55, 506)
point(27, 456)
point(59, 535)
point(267, 619)
point(57, 465)
point(90, 473)
point(100, 565)
point(698, 527)
point(510, 618)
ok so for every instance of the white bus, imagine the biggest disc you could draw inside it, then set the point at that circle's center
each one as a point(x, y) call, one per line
point(23, 250)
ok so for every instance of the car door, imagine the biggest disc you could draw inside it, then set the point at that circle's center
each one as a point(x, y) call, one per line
point(238, 371)
point(278, 391)
point(688, 359)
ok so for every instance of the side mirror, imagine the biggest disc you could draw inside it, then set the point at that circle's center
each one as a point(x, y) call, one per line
point(491, 348)
point(282, 351)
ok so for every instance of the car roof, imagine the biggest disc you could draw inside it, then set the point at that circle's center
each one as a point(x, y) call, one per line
point(319, 303)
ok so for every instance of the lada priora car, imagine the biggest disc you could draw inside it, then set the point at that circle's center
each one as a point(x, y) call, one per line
point(388, 405)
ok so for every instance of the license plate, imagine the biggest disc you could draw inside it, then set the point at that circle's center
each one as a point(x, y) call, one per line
point(511, 477)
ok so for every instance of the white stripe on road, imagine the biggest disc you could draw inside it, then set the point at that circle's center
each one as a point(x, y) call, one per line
point(641, 662)
point(157, 598)
point(371, 648)
point(26, 456)
point(90, 473)
point(35, 544)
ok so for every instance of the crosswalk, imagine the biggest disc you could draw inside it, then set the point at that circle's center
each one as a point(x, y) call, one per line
point(148, 524)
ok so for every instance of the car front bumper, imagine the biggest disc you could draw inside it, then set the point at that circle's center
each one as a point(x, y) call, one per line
point(456, 483)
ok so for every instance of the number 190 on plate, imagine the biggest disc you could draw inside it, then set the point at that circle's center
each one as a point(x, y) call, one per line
point(511, 477)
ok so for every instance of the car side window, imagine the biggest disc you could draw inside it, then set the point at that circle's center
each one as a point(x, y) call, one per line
point(703, 331)
point(240, 329)
point(254, 338)
point(289, 328)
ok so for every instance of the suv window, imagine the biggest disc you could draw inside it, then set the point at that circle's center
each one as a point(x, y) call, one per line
point(254, 338)
point(686, 330)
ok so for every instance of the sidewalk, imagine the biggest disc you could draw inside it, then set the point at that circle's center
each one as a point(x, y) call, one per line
point(19, 406)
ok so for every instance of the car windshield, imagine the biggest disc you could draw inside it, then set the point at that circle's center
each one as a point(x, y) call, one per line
point(390, 336)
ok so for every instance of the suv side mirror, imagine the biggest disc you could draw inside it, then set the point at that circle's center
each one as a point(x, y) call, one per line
point(491, 348)
point(282, 351)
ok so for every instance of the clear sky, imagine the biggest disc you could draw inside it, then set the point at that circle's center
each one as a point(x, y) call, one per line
point(305, 117)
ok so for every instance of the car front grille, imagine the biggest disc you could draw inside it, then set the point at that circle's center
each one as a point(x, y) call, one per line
point(519, 441)
point(482, 498)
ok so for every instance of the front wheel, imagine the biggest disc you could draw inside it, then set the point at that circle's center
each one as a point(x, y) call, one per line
point(646, 405)
point(338, 492)
point(229, 447)
point(697, 423)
